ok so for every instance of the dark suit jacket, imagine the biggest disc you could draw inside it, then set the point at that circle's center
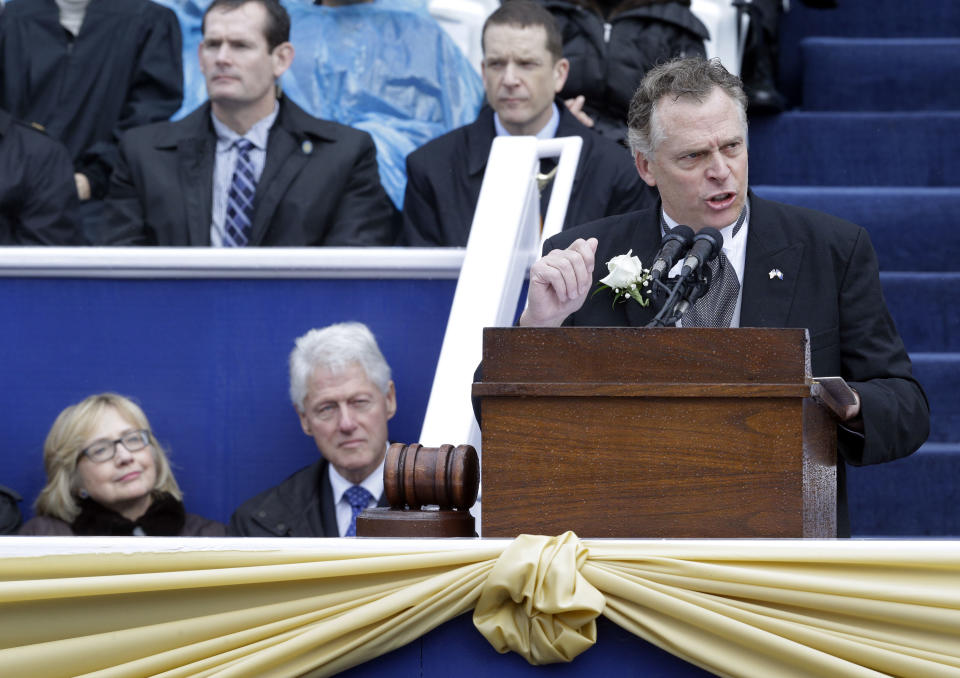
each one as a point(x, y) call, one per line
point(830, 286)
point(444, 178)
point(320, 185)
point(123, 70)
point(300, 506)
point(38, 196)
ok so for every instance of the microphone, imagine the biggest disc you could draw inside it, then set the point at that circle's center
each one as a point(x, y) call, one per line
point(695, 293)
point(675, 243)
point(707, 244)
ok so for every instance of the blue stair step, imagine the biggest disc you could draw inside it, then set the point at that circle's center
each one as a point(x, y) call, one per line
point(913, 228)
point(856, 149)
point(877, 74)
point(860, 19)
point(939, 374)
point(894, 18)
point(924, 310)
point(917, 496)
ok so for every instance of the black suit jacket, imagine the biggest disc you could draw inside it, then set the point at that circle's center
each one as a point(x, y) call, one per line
point(444, 178)
point(300, 506)
point(38, 195)
point(830, 286)
point(320, 185)
point(123, 70)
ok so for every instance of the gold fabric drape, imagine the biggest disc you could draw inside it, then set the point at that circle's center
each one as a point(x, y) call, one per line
point(313, 608)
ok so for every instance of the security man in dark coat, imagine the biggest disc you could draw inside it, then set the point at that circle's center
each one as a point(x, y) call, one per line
point(523, 70)
point(247, 168)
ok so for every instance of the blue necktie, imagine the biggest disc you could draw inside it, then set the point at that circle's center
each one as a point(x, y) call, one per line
point(359, 498)
point(243, 186)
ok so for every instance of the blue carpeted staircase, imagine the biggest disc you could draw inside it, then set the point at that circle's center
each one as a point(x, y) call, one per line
point(894, 86)
point(875, 138)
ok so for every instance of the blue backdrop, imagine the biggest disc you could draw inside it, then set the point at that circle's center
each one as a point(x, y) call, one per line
point(207, 360)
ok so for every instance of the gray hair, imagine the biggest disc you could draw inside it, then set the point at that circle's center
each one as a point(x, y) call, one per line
point(335, 348)
point(685, 77)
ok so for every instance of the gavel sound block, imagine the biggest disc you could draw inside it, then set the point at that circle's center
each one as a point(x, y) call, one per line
point(414, 476)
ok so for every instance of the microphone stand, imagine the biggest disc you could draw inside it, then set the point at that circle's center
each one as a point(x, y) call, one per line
point(685, 291)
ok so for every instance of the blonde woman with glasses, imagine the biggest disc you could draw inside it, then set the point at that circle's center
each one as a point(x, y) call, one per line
point(108, 476)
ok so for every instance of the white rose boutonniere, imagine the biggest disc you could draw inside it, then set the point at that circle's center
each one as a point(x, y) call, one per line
point(627, 278)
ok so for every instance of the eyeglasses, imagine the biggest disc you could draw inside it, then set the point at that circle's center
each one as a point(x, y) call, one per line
point(103, 450)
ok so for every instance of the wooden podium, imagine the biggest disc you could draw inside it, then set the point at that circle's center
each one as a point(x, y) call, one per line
point(644, 433)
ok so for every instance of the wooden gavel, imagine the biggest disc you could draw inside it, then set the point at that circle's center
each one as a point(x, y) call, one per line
point(415, 476)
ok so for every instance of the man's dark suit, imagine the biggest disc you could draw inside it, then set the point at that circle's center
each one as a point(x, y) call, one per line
point(300, 506)
point(444, 178)
point(38, 195)
point(830, 286)
point(319, 186)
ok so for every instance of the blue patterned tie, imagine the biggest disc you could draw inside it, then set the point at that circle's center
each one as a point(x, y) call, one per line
point(240, 198)
point(359, 498)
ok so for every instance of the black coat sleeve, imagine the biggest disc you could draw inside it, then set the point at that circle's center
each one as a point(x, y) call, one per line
point(896, 414)
point(154, 91)
point(421, 223)
point(38, 195)
point(123, 211)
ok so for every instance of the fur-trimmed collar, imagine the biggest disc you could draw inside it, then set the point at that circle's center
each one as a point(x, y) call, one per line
point(164, 518)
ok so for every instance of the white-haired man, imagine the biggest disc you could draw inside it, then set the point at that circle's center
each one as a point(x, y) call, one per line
point(341, 389)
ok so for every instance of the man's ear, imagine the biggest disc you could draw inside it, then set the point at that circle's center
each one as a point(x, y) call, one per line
point(304, 422)
point(282, 58)
point(561, 70)
point(644, 169)
point(391, 396)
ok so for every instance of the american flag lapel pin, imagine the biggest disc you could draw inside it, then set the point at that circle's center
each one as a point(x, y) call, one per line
point(776, 273)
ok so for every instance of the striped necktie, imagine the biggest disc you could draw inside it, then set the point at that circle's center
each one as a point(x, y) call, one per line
point(243, 186)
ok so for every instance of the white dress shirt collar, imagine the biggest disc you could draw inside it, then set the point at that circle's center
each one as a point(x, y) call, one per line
point(257, 134)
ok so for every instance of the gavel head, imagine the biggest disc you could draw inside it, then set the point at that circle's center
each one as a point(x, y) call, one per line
point(415, 476)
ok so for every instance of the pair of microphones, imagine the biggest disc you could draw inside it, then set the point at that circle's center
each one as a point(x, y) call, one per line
point(696, 249)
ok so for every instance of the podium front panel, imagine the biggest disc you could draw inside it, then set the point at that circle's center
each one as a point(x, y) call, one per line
point(664, 470)
point(715, 454)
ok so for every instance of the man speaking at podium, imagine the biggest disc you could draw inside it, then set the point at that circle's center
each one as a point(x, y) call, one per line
point(780, 266)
